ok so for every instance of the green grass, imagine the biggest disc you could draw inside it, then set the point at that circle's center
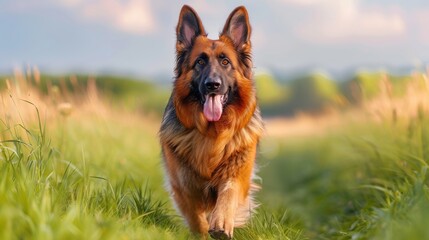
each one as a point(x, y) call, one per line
point(99, 176)
point(89, 182)
point(94, 177)
point(359, 183)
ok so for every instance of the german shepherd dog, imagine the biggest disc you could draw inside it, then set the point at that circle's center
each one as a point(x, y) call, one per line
point(212, 125)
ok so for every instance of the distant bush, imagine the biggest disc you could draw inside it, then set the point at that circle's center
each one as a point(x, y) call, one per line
point(269, 91)
point(368, 85)
point(135, 94)
point(272, 96)
point(399, 84)
point(363, 86)
point(313, 93)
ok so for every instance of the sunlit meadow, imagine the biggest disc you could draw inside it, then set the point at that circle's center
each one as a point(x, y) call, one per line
point(81, 161)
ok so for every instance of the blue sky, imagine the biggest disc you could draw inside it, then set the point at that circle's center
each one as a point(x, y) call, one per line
point(137, 36)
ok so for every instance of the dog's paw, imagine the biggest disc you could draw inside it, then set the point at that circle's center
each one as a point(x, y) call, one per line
point(219, 234)
point(221, 227)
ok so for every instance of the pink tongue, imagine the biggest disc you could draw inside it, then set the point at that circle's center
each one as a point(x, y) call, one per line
point(213, 108)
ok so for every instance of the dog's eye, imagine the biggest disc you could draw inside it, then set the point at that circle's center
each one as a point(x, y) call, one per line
point(201, 62)
point(225, 62)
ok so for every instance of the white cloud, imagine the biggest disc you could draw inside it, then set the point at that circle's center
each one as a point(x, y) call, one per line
point(133, 16)
point(344, 20)
point(420, 21)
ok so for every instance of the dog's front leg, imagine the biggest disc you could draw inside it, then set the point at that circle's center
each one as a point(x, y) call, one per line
point(192, 210)
point(221, 223)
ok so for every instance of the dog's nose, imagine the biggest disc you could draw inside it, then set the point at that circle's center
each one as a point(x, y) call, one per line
point(212, 84)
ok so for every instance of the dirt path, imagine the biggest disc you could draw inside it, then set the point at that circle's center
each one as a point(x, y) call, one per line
point(301, 126)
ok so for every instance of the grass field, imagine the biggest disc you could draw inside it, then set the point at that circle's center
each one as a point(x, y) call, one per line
point(79, 167)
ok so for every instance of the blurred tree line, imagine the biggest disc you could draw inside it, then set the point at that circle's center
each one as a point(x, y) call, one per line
point(315, 93)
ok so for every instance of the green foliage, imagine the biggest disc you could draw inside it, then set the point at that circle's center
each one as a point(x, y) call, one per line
point(272, 96)
point(271, 224)
point(399, 84)
point(368, 85)
point(367, 181)
point(313, 93)
point(93, 177)
point(269, 90)
point(134, 94)
point(48, 194)
point(2, 82)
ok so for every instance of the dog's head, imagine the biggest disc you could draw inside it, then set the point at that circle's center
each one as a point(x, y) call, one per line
point(208, 72)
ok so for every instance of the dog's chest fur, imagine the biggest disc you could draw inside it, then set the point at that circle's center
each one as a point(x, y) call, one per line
point(206, 155)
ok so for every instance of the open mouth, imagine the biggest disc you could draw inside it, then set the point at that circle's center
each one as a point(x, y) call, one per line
point(213, 106)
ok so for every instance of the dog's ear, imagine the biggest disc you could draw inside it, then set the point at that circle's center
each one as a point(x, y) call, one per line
point(237, 28)
point(189, 27)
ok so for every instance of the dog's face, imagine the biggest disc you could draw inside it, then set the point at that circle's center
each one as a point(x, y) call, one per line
point(208, 71)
